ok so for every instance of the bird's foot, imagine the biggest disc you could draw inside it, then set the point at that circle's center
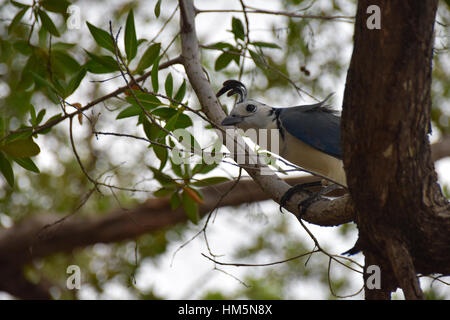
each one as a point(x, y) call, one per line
point(296, 189)
point(313, 197)
point(305, 204)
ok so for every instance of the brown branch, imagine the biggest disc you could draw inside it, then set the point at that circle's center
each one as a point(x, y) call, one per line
point(13, 281)
point(42, 235)
point(403, 269)
point(278, 13)
point(441, 148)
point(27, 240)
point(260, 264)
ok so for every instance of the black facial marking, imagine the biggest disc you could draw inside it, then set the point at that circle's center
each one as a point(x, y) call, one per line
point(276, 113)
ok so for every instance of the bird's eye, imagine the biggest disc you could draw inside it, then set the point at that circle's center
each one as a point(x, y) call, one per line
point(250, 108)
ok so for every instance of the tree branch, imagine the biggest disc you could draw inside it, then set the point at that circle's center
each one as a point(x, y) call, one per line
point(403, 269)
point(40, 236)
point(441, 148)
point(280, 13)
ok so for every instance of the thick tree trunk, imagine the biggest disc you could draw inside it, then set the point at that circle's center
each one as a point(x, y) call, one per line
point(402, 216)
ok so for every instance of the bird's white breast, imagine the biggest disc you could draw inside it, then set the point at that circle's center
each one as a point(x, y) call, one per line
point(306, 157)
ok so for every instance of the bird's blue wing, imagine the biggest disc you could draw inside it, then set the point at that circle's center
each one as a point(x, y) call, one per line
point(314, 125)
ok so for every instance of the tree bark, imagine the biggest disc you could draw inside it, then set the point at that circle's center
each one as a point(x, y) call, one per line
point(402, 216)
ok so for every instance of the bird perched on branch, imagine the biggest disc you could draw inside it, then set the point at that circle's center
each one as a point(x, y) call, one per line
point(309, 135)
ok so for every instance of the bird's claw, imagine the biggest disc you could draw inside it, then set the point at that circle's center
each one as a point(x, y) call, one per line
point(295, 189)
point(305, 204)
point(312, 196)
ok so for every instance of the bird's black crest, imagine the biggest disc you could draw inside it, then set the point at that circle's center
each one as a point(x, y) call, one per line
point(322, 106)
point(234, 87)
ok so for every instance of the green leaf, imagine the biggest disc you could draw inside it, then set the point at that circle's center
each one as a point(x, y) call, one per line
point(101, 64)
point(27, 164)
point(33, 115)
point(175, 201)
point(162, 154)
point(263, 44)
point(62, 46)
point(164, 113)
point(222, 61)
point(168, 85)
point(43, 82)
point(158, 8)
point(170, 125)
point(164, 179)
point(204, 168)
point(48, 23)
point(220, 46)
point(163, 192)
point(6, 50)
point(55, 117)
point(154, 76)
point(131, 111)
point(237, 28)
point(141, 41)
point(257, 59)
point(190, 207)
point(58, 6)
point(209, 181)
point(2, 126)
point(43, 36)
point(23, 148)
point(151, 130)
point(20, 5)
point(52, 118)
point(75, 81)
point(179, 96)
point(183, 121)
point(61, 88)
point(19, 135)
point(147, 100)
point(149, 57)
point(64, 63)
point(176, 168)
point(15, 21)
point(6, 169)
point(102, 38)
point(23, 47)
point(130, 37)
point(40, 116)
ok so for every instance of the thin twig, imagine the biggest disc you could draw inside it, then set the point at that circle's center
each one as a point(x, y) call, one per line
point(279, 13)
point(260, 264)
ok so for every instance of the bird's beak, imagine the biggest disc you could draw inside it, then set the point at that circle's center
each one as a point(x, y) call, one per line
point(231, 120)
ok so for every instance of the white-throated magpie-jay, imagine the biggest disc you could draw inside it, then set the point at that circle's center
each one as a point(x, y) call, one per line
point(309, 135)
